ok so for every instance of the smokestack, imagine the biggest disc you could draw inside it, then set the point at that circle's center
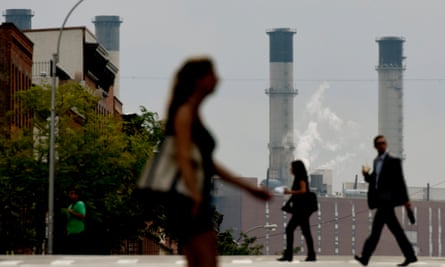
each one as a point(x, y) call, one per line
point(390, 75)
point(20, 17)
point(356, 182)
point(281, 108)
point(107, 29)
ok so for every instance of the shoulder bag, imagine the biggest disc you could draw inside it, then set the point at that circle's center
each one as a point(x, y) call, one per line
point(305, 204)
point(161, 188)
point(161, 173)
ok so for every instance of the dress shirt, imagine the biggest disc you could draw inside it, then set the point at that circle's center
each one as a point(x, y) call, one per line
point(378, 167)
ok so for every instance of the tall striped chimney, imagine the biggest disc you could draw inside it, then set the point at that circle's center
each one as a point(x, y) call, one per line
point(390, 76)
point(107, 29)
point(281, 107)
point(20, 17)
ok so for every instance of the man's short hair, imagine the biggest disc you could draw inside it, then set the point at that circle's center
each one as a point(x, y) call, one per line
point(377, 138)
point(74, 189)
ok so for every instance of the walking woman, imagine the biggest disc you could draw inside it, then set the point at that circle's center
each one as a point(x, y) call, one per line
point(301, 214)
point(195, 80)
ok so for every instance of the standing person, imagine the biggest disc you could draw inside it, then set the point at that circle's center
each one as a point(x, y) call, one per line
point(300, 216)
point(387, 190)
point(194, 81)
point(75, 228)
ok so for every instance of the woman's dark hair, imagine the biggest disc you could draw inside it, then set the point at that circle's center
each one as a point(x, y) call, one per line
point(185, 84)
point(299, 171)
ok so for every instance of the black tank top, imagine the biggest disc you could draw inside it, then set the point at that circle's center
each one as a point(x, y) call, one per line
point(205, 142)
point(296, 183)
point(206, 145)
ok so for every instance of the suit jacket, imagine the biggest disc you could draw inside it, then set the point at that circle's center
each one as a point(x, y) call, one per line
point(390, 190)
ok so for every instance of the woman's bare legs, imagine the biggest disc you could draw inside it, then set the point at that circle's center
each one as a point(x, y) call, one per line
point(201, 250)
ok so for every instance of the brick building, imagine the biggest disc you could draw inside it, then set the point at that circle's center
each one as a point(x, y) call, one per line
point(81, 59)
point(16, 52)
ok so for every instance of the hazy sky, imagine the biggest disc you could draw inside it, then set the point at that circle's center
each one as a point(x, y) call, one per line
point(335, 55)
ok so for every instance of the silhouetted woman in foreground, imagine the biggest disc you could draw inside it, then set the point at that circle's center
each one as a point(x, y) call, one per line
point(194, 82)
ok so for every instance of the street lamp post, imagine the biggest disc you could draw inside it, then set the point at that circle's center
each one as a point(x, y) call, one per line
point(267, 214)
point(267, 227)
point(52, 136)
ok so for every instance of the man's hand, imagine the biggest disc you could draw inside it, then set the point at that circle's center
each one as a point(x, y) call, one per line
point(365, 170)
point(407, 205)
point(410, 213)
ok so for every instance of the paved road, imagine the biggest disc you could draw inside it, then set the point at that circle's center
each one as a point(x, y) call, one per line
point(178, 261)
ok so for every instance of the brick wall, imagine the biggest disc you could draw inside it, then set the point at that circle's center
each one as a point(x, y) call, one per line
point(15, 75)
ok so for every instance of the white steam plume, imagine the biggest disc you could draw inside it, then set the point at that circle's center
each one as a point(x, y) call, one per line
point(323, 114)
point(325, 141)
point(306, 142)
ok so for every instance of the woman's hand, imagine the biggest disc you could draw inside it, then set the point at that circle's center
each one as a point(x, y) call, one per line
point(287, 191)
point(261, 193)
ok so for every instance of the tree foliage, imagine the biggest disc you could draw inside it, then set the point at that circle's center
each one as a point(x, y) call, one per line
point(99, 154)
point(245, 245)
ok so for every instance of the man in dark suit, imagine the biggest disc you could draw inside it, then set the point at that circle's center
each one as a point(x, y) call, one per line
point(387, 190)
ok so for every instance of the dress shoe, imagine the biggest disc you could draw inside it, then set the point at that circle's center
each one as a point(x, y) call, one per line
point(310, 258)
point(284, 258)
point(362, 260)
point(408, 261)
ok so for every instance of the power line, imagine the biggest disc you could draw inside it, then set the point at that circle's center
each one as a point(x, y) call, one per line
point(438, 183)
point(245, 79)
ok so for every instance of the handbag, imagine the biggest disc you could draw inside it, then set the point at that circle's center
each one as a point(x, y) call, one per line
point(301, 204)
point(287, 207)
point(312, 202)
point(161, 173)
point(161, 190)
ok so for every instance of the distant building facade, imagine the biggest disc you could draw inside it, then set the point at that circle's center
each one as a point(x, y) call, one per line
point(339, 227)
point(321, 181)
point(81, 58)
point(16, 51)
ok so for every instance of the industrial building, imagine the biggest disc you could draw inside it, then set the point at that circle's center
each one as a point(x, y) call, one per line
point(320, 181)
point(343, 222)
point(339, 227)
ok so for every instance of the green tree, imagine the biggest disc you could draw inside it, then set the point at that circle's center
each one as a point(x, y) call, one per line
point(96, 152)
point(21, 194)
point(228, 246)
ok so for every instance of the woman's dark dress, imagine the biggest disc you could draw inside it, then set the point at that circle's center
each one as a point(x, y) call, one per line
point(299, 219)
point(183, 225)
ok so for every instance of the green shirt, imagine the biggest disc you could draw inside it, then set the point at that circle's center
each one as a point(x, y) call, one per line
point(76, 225)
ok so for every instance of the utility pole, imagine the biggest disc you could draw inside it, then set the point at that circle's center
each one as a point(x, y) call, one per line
point(53, 137)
